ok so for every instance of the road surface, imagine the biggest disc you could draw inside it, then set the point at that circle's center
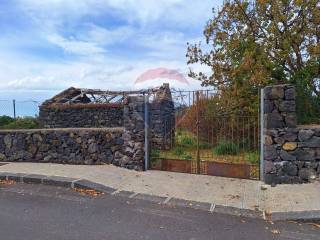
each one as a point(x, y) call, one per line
point(43, 212)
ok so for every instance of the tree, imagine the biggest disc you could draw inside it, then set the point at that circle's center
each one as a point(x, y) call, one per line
point(255, 43)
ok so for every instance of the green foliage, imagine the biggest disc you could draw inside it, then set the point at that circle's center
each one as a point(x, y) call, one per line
point(19, 123)
point(308, 104)
point(155, 153)
point(181, 153)
point(252, 157)
point(4, 120)
point(226, 147)
point(186, 156)
point(257, 43)
point(187, 141)
point(178, 151)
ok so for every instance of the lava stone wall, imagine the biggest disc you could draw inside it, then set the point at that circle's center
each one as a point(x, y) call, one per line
point(81, 116)
point(68, 146)
point(291, 152)
point(77, 134)
point(162, 119)
point(133, 149)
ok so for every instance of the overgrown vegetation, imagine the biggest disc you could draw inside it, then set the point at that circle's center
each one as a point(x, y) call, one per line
point(224, 151)
point(257, 43)
point(226, 147)
point(7, 122)
point(252, 157)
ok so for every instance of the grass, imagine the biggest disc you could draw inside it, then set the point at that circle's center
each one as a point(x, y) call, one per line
point(224, 152)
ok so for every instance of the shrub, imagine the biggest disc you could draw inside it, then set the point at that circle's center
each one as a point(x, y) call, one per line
point(226, 147)
point(21, 123)
point(4, 120)
point(187, 141)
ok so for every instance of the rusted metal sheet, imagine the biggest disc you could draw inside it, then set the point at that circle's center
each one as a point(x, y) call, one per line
point(183, 166)
point(173, 165)
point(229, 170)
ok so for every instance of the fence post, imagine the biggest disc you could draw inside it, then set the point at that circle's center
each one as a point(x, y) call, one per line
point(198, 123)
point(261, 134)
point(14, 108)
point(146, 132)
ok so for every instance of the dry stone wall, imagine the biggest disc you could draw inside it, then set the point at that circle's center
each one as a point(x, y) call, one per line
point(291, 152)
point(68, 146)
point(81, 116)
point(87, 133)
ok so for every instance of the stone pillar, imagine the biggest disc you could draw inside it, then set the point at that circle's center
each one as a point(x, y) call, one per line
point(162, 116)
point(132, 156)
point(280, 107)
point(279, 115)
point(291, 152)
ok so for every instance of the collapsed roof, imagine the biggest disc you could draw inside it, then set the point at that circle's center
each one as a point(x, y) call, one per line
point(96, 96)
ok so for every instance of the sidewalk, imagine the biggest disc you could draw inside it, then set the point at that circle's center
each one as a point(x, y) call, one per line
point(280, 202)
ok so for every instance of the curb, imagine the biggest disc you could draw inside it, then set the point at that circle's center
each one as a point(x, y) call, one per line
point(297, 215)
point(74, 183)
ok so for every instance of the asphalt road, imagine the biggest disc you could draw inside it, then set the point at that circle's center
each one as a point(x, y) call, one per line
point(43, 212)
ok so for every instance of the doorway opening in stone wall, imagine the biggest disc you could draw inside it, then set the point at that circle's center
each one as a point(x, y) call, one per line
point(208, 139)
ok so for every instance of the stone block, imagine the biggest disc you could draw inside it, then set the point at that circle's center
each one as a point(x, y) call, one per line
point(290, 136)
point(273, 120)
point(268, 106)
point(305, 134)
point(289, 146)
point(290, 169)
point(290, 120)
point(268, 140)
point(285, 156)
point(304, 154)
point(277, 92)
point(313, 142)
point(270, 152)
point(307, 174)
point(279, 140)
point(269, 167)
point(287, 106)
point(290, 93)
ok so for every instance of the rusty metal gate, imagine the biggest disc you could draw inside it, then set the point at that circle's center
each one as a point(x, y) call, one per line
point(209, 141)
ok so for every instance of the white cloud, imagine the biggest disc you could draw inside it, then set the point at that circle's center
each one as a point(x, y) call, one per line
point(155, 26)
point(76, 46)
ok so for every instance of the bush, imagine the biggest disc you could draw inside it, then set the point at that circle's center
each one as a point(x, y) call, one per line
point(226, 147)
point(187, 141)
point(20, 123)
point(4, 120)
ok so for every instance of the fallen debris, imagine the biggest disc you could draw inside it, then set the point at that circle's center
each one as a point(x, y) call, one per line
point(91, 192)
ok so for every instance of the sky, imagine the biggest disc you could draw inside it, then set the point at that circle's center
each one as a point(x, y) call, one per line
point(49, 45)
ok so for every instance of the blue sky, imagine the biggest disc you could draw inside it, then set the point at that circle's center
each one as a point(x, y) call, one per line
point(49, 45)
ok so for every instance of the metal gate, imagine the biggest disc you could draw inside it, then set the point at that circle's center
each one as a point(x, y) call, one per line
point(209, 140)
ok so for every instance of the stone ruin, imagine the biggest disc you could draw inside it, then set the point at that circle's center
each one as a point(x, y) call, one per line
point(86, 126)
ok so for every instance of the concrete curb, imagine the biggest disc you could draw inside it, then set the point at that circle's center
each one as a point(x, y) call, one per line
point(168, 201)
point(297, 215)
